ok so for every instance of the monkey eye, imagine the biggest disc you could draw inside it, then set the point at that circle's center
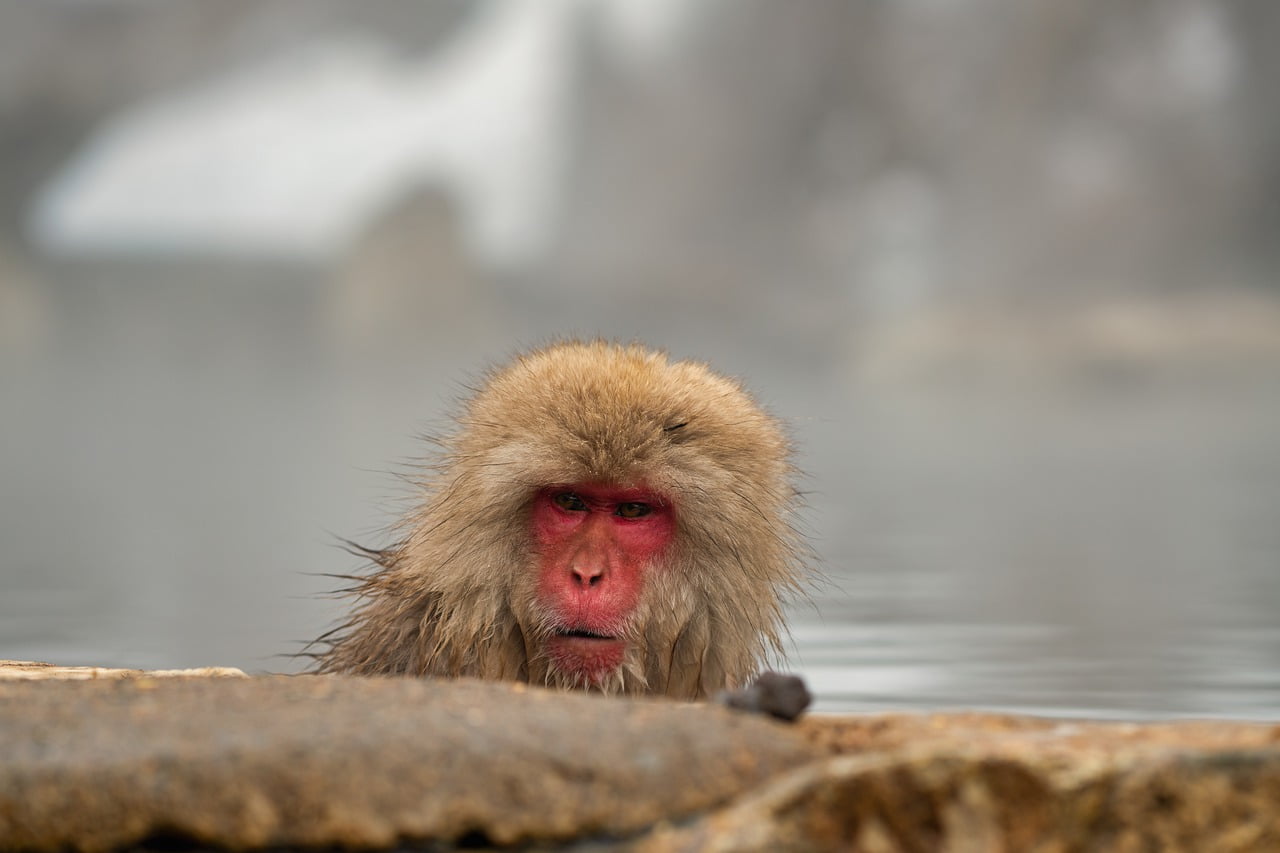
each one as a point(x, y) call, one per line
point(634, 509)
point(570, 502)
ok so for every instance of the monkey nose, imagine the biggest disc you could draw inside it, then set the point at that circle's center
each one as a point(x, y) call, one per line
point(588, 574)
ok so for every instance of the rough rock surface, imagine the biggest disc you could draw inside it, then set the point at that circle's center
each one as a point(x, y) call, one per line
point(974, 782)
point(326, 761)
point(310, 760)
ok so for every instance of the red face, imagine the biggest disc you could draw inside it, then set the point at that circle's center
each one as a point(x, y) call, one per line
point(595, 543)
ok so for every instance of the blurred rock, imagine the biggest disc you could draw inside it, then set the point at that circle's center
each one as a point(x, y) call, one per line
point(25, 313)
point(20, 670)
point(408, 278)
point(995, 783)
point(1230, 331)
point(330, 761)
point(248, 763)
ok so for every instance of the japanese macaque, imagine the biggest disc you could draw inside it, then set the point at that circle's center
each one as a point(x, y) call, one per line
point(604, 519)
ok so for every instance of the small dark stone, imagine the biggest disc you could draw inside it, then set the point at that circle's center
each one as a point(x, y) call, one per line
point(775, 694)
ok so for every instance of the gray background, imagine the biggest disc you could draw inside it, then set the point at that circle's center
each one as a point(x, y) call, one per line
point(1007, 270)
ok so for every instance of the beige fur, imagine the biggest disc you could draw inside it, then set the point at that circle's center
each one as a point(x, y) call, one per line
point(456, 596)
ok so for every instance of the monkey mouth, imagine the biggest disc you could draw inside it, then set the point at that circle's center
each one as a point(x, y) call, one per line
point(583, 634)
point(586, 656)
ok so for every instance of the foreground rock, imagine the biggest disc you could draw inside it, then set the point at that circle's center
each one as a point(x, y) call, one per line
point(248, 763)
point(13, 670)
point(308, 761)
point(972, 782)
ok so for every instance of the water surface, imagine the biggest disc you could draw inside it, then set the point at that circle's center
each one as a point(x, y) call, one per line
point(180, 455)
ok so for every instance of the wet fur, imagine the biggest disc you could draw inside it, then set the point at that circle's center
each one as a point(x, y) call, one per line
point(456, 596)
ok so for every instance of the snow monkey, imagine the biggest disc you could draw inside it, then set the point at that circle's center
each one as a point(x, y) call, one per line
point(602, 518)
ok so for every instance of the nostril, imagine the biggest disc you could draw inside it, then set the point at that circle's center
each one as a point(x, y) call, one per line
point(588, 576)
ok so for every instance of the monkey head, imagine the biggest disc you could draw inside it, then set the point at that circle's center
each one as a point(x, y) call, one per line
point(602, 518)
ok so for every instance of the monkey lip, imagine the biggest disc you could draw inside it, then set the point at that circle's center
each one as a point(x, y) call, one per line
point(587, 654)
point(584, 634)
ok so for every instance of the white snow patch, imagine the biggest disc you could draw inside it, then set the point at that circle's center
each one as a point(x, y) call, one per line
point(293, 157)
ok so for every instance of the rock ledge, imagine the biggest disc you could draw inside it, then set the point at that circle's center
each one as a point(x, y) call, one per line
point(108, 761)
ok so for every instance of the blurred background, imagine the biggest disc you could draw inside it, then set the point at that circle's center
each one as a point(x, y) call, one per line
point(1009, 270)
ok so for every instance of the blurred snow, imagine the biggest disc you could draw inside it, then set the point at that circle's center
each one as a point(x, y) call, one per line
point(645, 33)
point(292, 158)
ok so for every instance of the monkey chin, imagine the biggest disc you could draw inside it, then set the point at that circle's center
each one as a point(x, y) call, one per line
point(589, 660)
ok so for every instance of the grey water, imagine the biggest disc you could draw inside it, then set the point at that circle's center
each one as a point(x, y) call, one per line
point(1104, 554)
point(178, 458)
